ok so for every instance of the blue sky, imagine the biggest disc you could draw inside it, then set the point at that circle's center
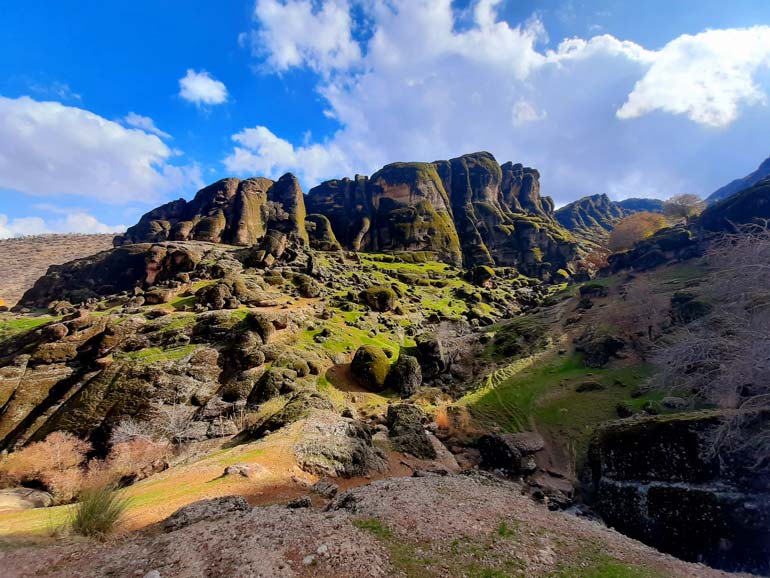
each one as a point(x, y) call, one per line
point(110, 108)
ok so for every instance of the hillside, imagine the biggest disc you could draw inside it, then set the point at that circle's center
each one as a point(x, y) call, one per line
point(26, 259)
point(737, 185)
point(259, 356)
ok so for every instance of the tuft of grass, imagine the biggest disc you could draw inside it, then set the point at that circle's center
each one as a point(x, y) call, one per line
point(506, 531)
point(374, 526)
point(98, 512)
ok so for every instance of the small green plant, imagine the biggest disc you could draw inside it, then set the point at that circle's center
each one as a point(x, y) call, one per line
point(374, 526)
point(98, 512)
point(506, 531)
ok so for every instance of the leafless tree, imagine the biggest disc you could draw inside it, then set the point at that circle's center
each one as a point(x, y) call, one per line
point(724, 357)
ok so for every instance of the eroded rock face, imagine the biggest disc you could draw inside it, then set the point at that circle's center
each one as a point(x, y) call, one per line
point(655, 480)
point(466, 211)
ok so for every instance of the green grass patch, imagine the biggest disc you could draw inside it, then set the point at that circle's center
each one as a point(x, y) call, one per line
point(11, 326)
point(151, 354)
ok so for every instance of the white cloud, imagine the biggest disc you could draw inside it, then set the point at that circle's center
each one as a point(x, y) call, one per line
point(429, 83)
point(297, 33)
point(47, 148)
point(260, 152)
point(201, 89)
point(707, 76)
point(76, 222)
point(144, 123)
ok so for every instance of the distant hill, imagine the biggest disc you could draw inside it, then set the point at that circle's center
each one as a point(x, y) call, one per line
point(25, 259)
point(641, 205)
point(591, 218)
point(762, 172)
point(748, 205)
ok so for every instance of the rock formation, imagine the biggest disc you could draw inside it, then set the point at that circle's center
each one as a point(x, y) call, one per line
point(466, 211)
point(750, 205)
point(655, 480)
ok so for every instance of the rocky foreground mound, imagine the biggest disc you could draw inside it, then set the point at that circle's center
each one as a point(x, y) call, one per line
point(430, 526)
point(467, 211)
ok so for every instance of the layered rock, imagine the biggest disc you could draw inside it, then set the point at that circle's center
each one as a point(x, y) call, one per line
point(656, 480)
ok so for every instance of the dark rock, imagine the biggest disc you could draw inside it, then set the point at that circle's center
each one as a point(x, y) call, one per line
point(370, 367)
point(303, 502)
point(405, 376)
point(407, 432)
point(205, 510)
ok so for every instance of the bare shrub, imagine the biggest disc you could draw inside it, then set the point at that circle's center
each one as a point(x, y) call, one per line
point(56, 463)
point(724, 356)
point(129, 461)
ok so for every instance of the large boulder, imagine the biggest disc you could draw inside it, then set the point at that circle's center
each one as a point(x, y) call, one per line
point(370, 367)
point(380, 299)
point(407, 432)
point(405, 376)
point(334, 446)
point(205, 511)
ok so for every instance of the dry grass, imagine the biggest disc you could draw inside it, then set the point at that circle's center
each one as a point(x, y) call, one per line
point(23, 260)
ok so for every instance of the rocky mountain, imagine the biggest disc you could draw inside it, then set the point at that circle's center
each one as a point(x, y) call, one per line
point(467, 211)
point(762, 172)
point(591, 218)
point(749, 205)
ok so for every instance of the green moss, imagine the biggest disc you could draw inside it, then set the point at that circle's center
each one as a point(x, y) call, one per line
point(12, 325)
point(152, 354)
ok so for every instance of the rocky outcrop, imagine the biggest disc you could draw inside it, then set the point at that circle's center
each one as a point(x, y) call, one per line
point(466, 211)
point(656, 480)
point(231, 211)
point(747, 206)
point(667, 245)
point(591, 219)
point(738, 185)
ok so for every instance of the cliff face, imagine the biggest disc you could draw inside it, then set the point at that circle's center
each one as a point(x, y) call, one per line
point(466, 211)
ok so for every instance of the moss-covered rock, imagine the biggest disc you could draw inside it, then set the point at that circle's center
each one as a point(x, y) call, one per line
point(370, 367)
point(379, 298)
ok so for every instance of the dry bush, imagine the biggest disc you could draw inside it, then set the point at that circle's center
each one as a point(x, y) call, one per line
point(595, 261)
point(635, 228)
point(55, 463)
point(129, 461)
point(724, 357)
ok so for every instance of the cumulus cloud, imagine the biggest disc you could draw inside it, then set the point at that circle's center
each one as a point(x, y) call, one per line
point(297, 33)
point(707, 76)
point(201, 89)
point(144, 123)
point(427, 82)
point(75, 222)
point(259, 151)
point(47, 148)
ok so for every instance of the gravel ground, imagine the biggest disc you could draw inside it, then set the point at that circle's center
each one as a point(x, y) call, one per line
point(420, 526)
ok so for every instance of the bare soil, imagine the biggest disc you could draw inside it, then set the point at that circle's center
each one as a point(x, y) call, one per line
point(24, 260)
